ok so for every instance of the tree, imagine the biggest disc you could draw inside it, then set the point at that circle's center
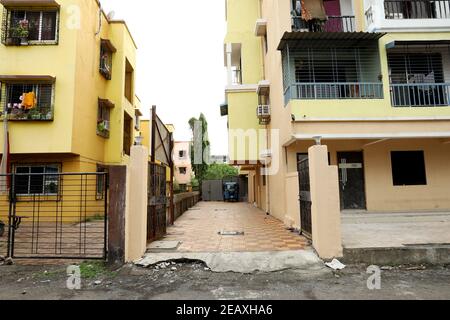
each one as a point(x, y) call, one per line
point(218, 171)
point(200, 146)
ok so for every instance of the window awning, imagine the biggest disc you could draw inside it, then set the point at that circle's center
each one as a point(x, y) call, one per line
point(27, 78)
point(108, 44)
point(29, 3)
point(322, 39)
point(407, 43)
point(137, 112)
point(105, 103)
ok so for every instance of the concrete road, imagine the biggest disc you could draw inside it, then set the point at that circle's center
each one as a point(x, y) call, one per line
point(192, 281)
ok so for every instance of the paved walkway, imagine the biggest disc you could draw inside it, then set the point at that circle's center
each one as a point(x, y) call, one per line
point(376, 230)
point(198, 229)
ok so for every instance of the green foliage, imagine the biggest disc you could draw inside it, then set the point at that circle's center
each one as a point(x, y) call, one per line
point(200, 138)
point(218, 171)
point(94, 269)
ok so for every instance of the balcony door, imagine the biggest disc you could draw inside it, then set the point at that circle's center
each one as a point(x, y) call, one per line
point(351, 180)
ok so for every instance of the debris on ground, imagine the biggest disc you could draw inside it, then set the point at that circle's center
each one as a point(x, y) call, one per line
point(8, 262)
point(97, 283)
point(335, 265)
point(387, 268)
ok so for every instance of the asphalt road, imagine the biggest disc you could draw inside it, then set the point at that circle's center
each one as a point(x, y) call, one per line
point(192, 281)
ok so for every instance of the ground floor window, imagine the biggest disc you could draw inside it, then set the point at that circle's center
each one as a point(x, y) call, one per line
point(37, 179)
point(408, 168)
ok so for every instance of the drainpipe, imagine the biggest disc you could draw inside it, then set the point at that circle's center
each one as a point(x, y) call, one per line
point(267, 177)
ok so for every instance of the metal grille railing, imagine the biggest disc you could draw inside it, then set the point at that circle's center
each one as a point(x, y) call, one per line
point(420, 95)
point(57, 215)
point(417, 9)
point(332, 24)
point(38, 105)
point(334, 90)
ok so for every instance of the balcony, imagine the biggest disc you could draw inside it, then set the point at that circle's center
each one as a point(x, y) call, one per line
point(418, 77)
point(332, 24)
point(26, 100)
point(331, 66)
point(323, 16)
point(420, 95)
point(407, 15)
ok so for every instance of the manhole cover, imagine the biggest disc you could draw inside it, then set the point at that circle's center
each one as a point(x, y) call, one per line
point(231, 233)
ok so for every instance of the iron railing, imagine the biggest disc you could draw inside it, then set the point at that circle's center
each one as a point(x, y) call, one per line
point(334, 90)
point(332, 24)
point(420, 95)
point(417, 9)
point(236, 77)
point(54, 215)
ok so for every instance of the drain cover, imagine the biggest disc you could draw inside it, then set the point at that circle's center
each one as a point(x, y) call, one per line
point(231, 233)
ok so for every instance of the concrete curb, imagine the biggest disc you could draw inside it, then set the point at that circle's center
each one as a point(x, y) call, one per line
point(434, 255)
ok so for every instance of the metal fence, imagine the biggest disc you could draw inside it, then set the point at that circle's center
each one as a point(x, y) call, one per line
point(417, 9)
point(333, 24)
point(54, 215)
point(157, 201)
point(420, 95)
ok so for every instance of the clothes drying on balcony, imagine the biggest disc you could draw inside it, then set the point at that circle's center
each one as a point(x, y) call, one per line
point(29, 100)
point(314, 9)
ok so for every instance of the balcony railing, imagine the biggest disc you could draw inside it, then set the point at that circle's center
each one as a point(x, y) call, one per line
point(236, 77)
point(420, 95)
point(334, 90)
point(417, 9)
point(333, 24)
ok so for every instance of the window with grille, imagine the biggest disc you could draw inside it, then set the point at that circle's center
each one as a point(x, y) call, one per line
point(36, 179)
point(103, 119)
point(106, 57)
point(415, 67)
point(27, 101)
point(42, 26)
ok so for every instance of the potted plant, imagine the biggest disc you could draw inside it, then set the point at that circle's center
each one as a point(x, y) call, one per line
point(103, 128)
point(21, 32)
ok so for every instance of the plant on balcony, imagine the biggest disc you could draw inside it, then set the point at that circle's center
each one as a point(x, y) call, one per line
point(21, 32)
point(102, 129)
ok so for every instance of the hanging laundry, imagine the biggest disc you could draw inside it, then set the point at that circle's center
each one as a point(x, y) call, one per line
point(29, 100)
point(313, 9)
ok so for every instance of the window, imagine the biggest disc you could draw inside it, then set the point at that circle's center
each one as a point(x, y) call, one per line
point(129, 75)
point(182, 154)
point(36, 179)
point(127, 125)
point(183, 170)
point(106, 56)
point(28, 101)
point(408, 168)
point(103, 118)
point(42, 26)
point(415, 68)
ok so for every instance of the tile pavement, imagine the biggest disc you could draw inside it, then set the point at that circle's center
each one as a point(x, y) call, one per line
point(198, 229)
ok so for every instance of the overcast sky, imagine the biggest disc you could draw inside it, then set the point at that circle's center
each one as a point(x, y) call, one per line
point(180, 60)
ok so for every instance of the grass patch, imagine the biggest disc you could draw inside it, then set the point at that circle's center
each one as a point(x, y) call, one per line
point(94, 269)
point(94, 218)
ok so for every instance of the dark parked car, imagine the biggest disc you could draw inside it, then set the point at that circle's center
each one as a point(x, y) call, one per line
point(230, 191)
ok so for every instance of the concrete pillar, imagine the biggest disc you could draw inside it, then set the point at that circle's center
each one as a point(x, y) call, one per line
point(325, 211)
point(136, 226)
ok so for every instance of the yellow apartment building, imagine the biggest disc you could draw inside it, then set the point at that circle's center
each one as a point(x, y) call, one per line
point(368, 79)
point(67, 88)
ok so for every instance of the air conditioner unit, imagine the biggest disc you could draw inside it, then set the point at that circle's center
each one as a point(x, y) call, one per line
point(264, 154)
point(263, 111)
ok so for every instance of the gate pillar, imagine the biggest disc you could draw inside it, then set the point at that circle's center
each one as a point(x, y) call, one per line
point(325, 210)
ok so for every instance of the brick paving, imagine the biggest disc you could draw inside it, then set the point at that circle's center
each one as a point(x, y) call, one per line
point(198, 229)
